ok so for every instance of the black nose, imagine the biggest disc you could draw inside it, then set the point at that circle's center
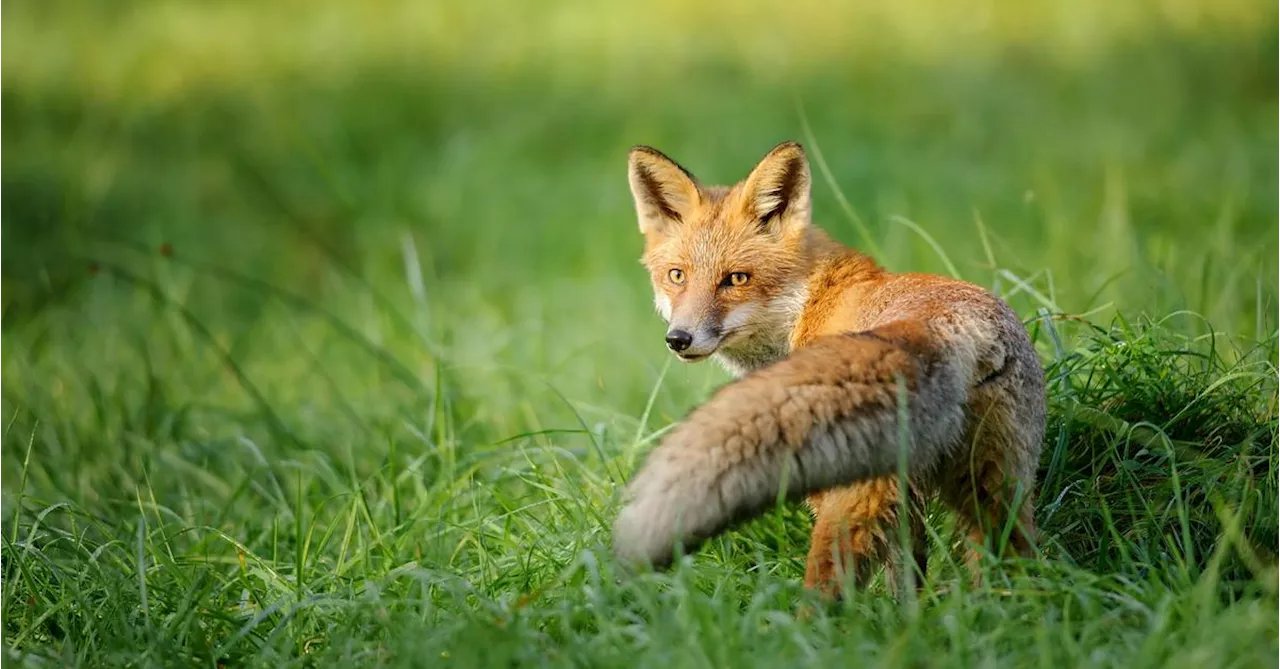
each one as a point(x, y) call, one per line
point(679, 340)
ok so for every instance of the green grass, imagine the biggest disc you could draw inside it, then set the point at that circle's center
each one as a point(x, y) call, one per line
point(376, 405)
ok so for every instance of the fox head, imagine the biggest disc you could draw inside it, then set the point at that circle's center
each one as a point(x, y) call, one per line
point(727, 263)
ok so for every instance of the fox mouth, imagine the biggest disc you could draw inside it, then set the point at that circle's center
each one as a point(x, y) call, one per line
point(725, 339)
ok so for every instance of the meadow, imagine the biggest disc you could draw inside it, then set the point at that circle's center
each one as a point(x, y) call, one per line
point(326, 343)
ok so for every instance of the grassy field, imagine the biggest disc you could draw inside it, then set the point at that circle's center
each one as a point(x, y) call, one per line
point(325, 340)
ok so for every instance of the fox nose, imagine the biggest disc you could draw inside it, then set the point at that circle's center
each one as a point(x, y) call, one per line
point(679, 340)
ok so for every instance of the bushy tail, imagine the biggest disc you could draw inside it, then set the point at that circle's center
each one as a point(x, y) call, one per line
point(826, 415)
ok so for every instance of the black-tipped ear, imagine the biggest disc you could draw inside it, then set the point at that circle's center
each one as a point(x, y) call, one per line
point(665, 193)
point(777, 190)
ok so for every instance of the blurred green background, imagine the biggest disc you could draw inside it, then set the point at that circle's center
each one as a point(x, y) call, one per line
point(447, 181)
point(1119, 156)
point(336, 235)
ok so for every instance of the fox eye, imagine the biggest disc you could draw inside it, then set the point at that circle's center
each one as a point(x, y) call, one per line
point(738, 279)
point(676, 275)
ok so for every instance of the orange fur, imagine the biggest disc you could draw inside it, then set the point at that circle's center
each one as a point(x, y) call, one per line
point(821, 337)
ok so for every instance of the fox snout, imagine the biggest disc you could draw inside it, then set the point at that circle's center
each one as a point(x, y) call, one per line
point(678, 340)
point(693, 343)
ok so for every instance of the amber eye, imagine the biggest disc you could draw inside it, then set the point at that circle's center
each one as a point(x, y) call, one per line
point(739, 279)
point(676, 276)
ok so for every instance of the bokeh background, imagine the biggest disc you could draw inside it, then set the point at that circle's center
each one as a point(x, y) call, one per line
point(462, 163)
point(320, 239)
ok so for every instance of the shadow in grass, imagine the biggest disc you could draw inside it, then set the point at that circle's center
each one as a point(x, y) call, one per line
point(1162, 453)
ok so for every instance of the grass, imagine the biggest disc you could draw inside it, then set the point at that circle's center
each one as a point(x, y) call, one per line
point(325, 343)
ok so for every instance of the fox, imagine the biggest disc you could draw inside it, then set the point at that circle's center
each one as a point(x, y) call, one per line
point(840, 368)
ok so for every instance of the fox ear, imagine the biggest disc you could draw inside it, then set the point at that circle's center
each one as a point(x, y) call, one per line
point(777, 191)
point(665, 193)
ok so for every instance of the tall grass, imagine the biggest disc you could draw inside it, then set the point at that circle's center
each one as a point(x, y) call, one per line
point(325, 343)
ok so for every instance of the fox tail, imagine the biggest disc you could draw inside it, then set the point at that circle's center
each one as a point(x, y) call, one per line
point(826, 415)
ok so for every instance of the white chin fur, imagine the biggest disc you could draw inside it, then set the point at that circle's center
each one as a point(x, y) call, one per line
point(698, 352)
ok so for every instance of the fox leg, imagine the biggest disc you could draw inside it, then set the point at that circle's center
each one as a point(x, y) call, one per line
point(856, 530)
point(985, 520)
point(991, 483)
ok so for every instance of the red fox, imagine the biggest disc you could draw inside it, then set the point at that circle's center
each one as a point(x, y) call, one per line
point(822, 339)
